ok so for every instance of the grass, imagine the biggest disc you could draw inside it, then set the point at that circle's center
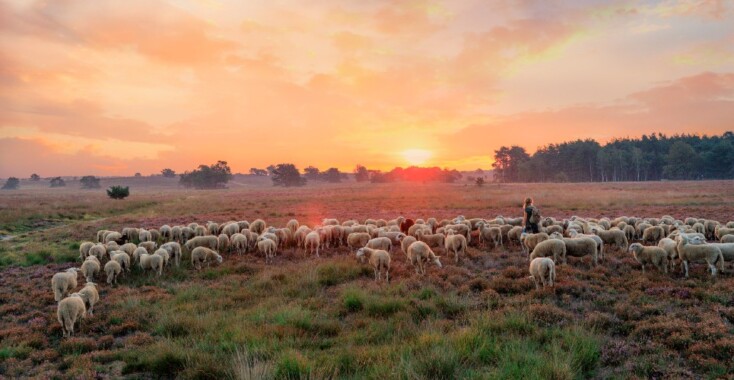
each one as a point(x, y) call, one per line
point(308, 318)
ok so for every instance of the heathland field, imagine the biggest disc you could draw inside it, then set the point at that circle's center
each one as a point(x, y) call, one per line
point(308, 317)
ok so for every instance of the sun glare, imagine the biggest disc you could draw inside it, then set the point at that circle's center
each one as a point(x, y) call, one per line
point(416, 156)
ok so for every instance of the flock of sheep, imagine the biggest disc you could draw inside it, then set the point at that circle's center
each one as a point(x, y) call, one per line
point(660, 243)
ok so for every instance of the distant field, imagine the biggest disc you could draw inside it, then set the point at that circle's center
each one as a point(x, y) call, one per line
point(318, 318)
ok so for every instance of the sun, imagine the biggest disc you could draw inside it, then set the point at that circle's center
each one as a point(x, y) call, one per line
point(416, 156)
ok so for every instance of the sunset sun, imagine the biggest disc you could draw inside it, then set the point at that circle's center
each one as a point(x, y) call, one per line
point(416, 156)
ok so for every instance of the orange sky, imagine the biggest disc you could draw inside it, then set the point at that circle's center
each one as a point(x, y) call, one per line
point(118, 87)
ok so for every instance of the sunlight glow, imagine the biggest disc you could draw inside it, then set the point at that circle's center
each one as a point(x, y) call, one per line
point(416, 156)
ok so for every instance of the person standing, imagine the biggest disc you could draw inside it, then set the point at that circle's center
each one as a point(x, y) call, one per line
point(531, 217)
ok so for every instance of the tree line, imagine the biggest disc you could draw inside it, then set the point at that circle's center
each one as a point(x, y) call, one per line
point(648, 158)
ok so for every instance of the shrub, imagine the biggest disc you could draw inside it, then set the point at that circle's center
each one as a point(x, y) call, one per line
point(57, 182)
point(11, 184)
point(353, 300)
point(118, 192)
point(89, 182)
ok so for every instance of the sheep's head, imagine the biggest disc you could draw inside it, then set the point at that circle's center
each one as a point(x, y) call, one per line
point(400, 236)
point(73, 270)
point(556, 235)
point(219, 259)
point(635, 248)
point(437, 261)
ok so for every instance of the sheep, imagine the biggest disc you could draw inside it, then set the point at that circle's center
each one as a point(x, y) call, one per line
point(258, 226)
point(699, 228)
point(186, 234)
point(212, 228)
point(379, 259)
point(267, 247)
point(211, 242)
point(63, 282)
point(650, 255)
point(629, 232)
point(653, 234)
point(155, 235)
point(417, 229)
point(546, 248)
point(580, 247)
point(130, 233)
point(137, 253)
point(720, 232)
point(312, 241)
point(420, 253)
point(405, 225)
point(710, 227)
point(462, 229)
point(545, 269)
point(554, 228)
point(394, 236)
point(90, 296)
point(112, 246)
point(727, 249)
point(200, 231)
point(99, 251)
point(597, 239)
point(406, 241)
point(112, 236)
point(455, 243)
point(223, 243)
point(514, 235)
point(69, 311)
point(614, 236)
point(292, 225)
point(433, 240)
point(383, 243)
point(144, 235)
point(153, 262)
point(730, 224)
point(238, 243)
point(113, 269)
point(671, 249)
point(357, 240)
point(529, 241)
point(164, 254)
point(200, 255)
point(698, 250)
point(490, 233)
point(330, 222)
point(166, 233)
point(174, 250)
point(149, 246)
point(90, 268)
point(727, 239)
point(84, 249)
point(128, 248)
point(230, 229)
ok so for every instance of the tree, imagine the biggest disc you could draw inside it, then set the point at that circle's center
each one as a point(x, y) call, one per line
point(311, 173)
point(57, 182)
point(286, 175)
point(89, 182)
point(361, 174)
point(507, 162)
point(258, 172)
point(168, 173)
point(138, 175)
point(215, 176)
point(118, 192)
point(35, 177)
point(480, 181)
point(332, 175)
point(11, 184)
point(682, 161)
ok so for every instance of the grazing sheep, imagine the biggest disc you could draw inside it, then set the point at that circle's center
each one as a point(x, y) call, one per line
point(201, 255)
point(223, 243)
point(420, 253)
point(212, 228)
point(720, 232)
point(113, 269)
point(580, 247)
point(514, 235)
point(292, 225)
point(149, 246)
point(238, 243)
point(629, 232)
point(200, 231)
point(112, 236)
point(99, 251)
point(727, 239)
point(63, 283)
point(653, 234)
point(112, 246)
point(529, 241)
point(597, 239)
point(152, 262)
point(211, 242)
point(490, 233)
point(433, 240)
point(455, 243)
point(312, 241)
point(144, 235)
point(69, 311)
point(166, 233)
point(357, 240)
point(383, 243)
point(137, 253)
point(267, 247)
point(405, 225)
point(550, 247)
point(545, 269)
point(174, 250)
point(671, 249)
point(84, 249)
point(614, 237)
point(406, 241)
point(128, 248)
point(230, 229)
point(164, 254)
point(90, 296)
point(394, 236)
point(554, 228)
point(258, 226)
point(379, 259)
point(176, 234)
point(130, 233)
point(90, 268)
point(650, 255)
point(698, 250)
point(186, 234)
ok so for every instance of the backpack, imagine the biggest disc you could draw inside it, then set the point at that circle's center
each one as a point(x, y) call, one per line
point(534, 216)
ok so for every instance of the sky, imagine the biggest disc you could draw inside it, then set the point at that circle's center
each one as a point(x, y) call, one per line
point(117, 87)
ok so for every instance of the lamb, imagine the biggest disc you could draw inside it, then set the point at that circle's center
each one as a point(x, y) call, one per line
point(653, 234)
point(267, 247)
point(545, 269)
point(433, 240)
point(211, 242)
point(456, 244)
point(98, 250)
point(149, 246)
point(698, 250)
point(113, 269)
point(200, 255)
point(223, 243)
point(379, 259)
point(671, 248)
point(406, 241)
point(383, 243)
point(546, 248)
point(614, 236)
point(650, 255)
point(420, 253)
point(164, 254)
point(63, 283)
point(357, 240)
point(258, 226)
point(238, 243)
point(90, 296)
point(90, 268)
point(174, 250)
point(84, 249)
point(153, 262)
point(312, 241)
point(69, 311)
point(529, 241)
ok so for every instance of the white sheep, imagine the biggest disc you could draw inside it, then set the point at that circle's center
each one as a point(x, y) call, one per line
point(671, 248)
point(84, 249)
point(455, 243)
point(267, 247)
point(164, 254)
point(90, 296)
point(174, 250)
point(312, 241)
point(653, 234)
point(144, 235)
point(113, 269)
point(545, 269)
point(128, 248)
point(70, 310)
point(727, 239)
point(614, 237)
point(137, 253)
point(211, 242)
point(650, 255)
point(200, 255)
point(579, 247)
point(357, 240)
point(238, 243)
point(420, 253)
point(99, 251)
point(597, 239)
point(383, 243)
point(258, 226)
point(698, 250)
point(223, 243)
point(152, 262)
point(166, 233)
point(379, 259)
point(433, 240)
point(490, 233)
point(90, 268)
point(405, 242)
point(529, 241)
point(550, 247)
point(63, 283)
point(149, 246)
point(112, 236)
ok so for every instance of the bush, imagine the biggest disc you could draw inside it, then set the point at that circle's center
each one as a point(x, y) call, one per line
point(89, 182)
point(118, 192)
point(11, 184)
point(35, 177)
point(57, 182)
point(168, 173)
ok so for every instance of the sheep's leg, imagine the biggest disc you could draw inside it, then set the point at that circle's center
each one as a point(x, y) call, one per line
point(535, 281)
point(376, 274)
point(685, 267)
point(387, 275)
